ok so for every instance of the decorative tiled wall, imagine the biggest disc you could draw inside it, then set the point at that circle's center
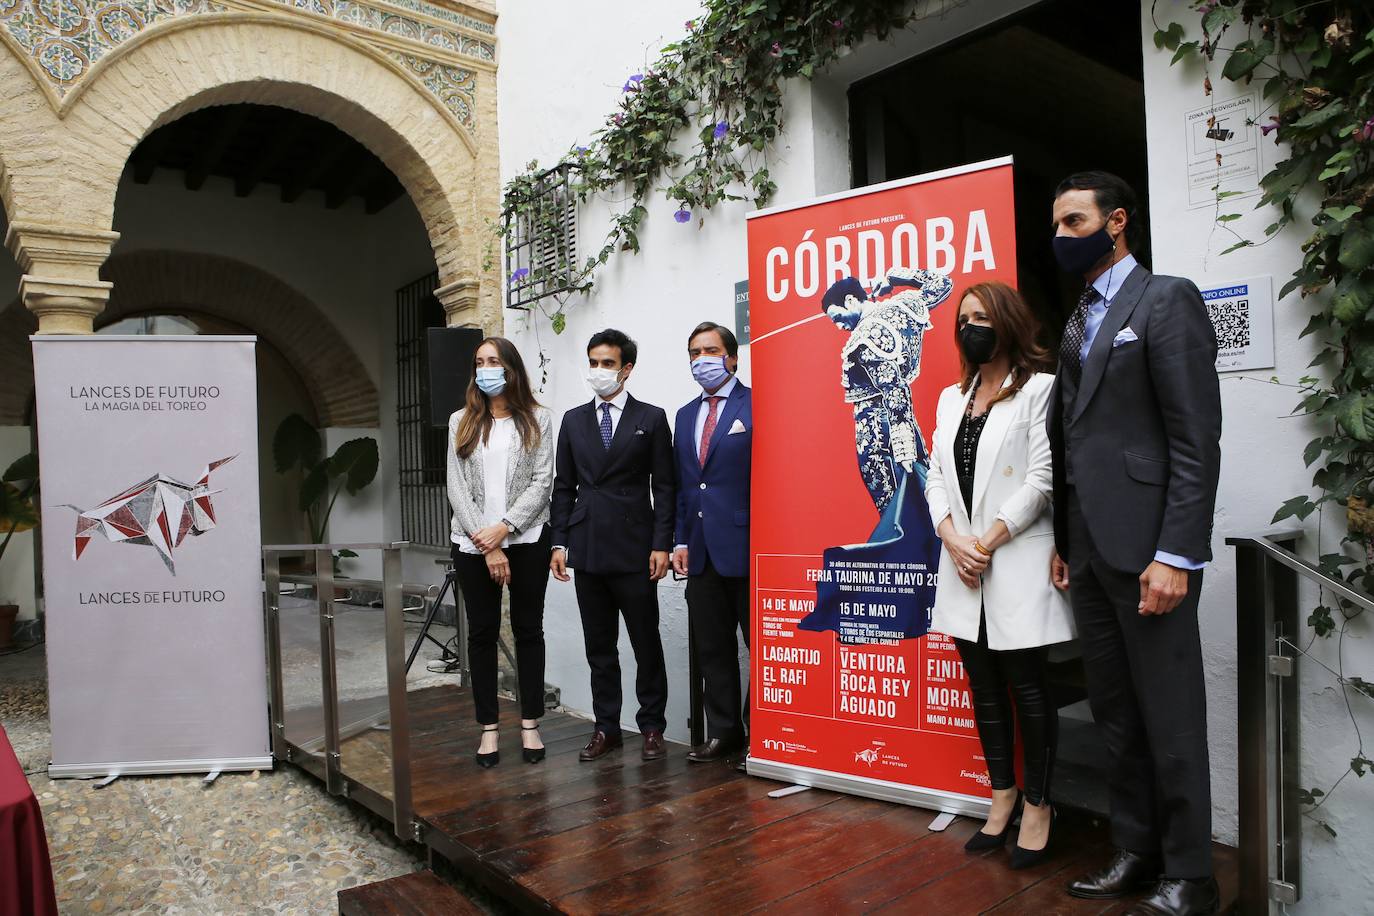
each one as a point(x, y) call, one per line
point(66, 37)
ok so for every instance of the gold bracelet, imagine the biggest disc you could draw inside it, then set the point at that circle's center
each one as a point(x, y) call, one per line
point(978, 546)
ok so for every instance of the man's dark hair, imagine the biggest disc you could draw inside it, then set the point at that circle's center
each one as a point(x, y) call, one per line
point(1110, 193)
point(611, 337)
point(727, 336)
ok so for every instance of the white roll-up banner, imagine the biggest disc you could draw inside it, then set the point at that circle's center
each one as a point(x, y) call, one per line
point(148, 455)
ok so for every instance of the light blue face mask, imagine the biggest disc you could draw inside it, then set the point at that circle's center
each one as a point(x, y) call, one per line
point(710, 372)
point(491, 379)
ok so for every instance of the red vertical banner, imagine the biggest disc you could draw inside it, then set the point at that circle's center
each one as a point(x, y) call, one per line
point(853, 305)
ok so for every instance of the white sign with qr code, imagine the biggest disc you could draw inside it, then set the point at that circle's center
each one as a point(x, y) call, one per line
point(1242, 314)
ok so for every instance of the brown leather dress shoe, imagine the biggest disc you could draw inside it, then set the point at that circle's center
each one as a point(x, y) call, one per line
point(1127, 873)
point(1180, 897)
point(653, 746)
point(714, 749)
point(600, 745)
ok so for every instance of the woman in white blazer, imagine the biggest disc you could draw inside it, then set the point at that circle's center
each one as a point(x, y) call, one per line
point(989, 491)
point(500, 477)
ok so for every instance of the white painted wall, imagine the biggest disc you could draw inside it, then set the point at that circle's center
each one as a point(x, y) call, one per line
point(348, 263)
point(1261, 467)
point(684, 275)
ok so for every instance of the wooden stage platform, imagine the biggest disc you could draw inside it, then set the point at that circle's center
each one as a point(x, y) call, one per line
point(620, 835)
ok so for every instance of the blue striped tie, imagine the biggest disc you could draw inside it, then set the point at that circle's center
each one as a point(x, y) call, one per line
point(606, 425)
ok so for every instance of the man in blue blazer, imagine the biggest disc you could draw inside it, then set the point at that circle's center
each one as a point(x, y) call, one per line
point(712, 442)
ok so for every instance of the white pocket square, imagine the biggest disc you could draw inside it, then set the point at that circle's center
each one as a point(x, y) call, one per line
point(1125, 336)
point(639, 432)
point(736, 427)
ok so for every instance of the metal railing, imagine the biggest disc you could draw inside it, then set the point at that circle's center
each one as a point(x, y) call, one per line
point(1268, 719)
point(328, 766)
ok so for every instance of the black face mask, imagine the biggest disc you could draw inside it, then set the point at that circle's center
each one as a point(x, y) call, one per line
point(1078, 255)
point(979, 343)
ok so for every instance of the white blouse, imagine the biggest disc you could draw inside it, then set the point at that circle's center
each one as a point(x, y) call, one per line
point(496, 452)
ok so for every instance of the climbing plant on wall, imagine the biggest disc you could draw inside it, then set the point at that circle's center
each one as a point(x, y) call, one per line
point(1314, 63)
point(697, 124)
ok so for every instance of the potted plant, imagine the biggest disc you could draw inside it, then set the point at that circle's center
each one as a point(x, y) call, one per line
point(353, 466)
point(18, 512)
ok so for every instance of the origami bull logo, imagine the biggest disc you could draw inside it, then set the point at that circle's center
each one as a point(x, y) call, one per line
point(867, 755)
point(157, 513)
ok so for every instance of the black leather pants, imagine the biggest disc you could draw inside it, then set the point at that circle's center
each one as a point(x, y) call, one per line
point(996, 677)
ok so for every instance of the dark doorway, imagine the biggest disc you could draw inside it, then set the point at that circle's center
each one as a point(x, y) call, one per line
point(1059, 87)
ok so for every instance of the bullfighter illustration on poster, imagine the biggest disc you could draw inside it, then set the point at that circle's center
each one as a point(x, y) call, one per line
point(852, 341)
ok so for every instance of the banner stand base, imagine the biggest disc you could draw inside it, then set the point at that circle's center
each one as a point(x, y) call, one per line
point(156, 767)
point(935, 800)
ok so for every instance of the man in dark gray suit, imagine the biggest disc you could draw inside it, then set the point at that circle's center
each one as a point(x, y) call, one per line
point(1135, 428)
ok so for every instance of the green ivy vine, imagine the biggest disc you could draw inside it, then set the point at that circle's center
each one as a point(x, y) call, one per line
point(701, 119)
point(1315, 61)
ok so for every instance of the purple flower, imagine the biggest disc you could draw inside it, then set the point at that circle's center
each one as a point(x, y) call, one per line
point(691, 24)
point(837, 23)
point(776, 50)
point(518, 275)
point(581, 150)
point(1267, 129)
point(1367, 132)
point(618, 119)
point(683, 215)
point(722, 128)
point(633, 82)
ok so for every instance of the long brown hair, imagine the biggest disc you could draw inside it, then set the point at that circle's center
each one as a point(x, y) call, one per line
point(475, 426)
point(1016, 328)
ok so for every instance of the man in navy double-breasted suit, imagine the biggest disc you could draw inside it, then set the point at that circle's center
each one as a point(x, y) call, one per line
point(712, 442)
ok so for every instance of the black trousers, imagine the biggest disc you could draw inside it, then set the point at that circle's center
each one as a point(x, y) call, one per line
point(602, 600)
point(1146, 689)
point(717, 606)
point(529, 577)
point(995, 677)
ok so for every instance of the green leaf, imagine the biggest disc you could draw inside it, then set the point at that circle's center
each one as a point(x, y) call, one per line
point(1245, 58)
point(1362, 353)
point(1341, 214)
point(1299, 507)
point(1350, 300)
point(296, 444)
point(1320, 116)
point(1170, 37)
point(314, 486)
point(560, 321)
point(1314, 450)
point(1363, 686)
point(1355, 414)
point(1228, 217)
point(1188, 47)
point(1357, 247)
point(1243, 243)
point(1360, 763)
point(356, 461)
point(17, 513)
point(1322, 624)
point(25, 468)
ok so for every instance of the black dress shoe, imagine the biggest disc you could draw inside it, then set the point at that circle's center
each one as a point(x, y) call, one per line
point(714, 749)
point(531, 754)
point(1029, 858)
point(1180, 897)
point(487, 761)
point(982, 841)
point(599, 746)
point(1127, 873)
point(653, 745)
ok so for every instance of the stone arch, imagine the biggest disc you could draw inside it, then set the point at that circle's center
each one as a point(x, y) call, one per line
point(339, 386)
point(273, 59)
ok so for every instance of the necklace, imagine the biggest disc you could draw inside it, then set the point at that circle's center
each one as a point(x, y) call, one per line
point(973, 428)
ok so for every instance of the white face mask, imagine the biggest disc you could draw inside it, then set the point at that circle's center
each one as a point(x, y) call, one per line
point(605, 382)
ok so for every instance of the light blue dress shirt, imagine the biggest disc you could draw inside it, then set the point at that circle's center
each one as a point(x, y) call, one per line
point(722, 392)
point(1107, 286)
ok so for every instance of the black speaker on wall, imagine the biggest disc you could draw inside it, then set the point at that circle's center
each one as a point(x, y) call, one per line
point(449, 353)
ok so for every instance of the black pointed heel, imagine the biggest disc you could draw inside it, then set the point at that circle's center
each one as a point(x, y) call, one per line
point(531, 754)
point(981, 841)
point(487, 761)
point(1029, 858)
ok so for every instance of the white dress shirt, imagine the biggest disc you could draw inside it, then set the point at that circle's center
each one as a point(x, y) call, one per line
point(1107, 286)
point(497, 452)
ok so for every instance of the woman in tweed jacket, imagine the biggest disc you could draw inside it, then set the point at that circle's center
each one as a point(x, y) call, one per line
point(500, 475)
